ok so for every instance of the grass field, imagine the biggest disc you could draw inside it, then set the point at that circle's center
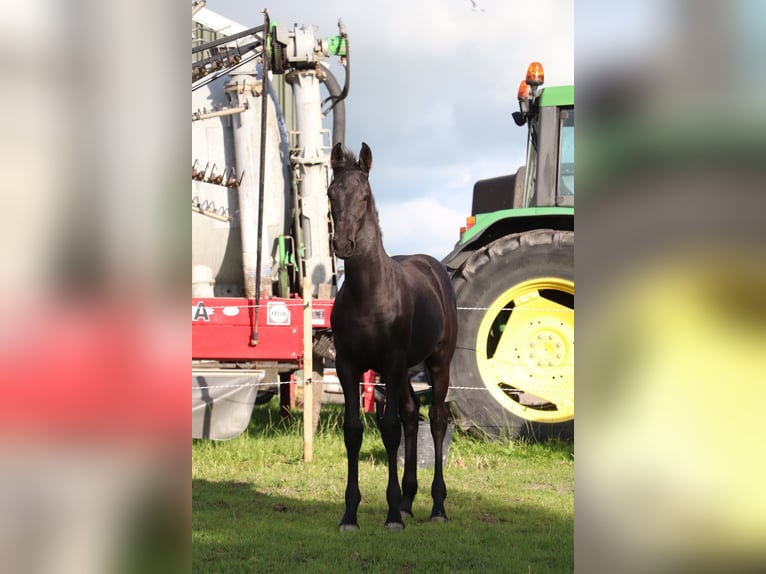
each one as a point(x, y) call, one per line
point(257, 507)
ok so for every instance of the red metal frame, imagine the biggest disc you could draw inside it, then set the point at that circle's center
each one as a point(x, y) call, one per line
point(222, 328)
point(368, 398)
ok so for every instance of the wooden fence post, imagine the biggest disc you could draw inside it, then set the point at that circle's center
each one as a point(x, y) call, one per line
point(308, 367)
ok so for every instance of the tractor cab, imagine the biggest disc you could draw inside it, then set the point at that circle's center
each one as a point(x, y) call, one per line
point(549, 115)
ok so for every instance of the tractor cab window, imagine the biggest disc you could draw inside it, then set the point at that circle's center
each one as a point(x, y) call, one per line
point(566, 152)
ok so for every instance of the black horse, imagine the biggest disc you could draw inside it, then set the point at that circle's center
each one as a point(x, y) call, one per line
point(390, 314)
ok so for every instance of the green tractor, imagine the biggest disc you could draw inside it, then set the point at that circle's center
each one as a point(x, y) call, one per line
point(513, 273)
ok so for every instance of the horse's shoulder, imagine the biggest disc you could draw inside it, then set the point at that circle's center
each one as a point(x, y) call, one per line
point(343, 300)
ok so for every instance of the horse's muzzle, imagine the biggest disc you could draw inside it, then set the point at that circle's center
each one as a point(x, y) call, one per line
point(344, 248)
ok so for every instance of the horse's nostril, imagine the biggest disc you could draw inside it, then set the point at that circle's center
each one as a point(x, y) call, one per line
point(343, 247)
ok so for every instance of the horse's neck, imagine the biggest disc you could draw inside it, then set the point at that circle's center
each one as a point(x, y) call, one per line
point(369, 270)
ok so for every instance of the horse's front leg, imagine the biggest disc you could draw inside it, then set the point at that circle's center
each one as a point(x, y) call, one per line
point(352, 434)
point(391, 431)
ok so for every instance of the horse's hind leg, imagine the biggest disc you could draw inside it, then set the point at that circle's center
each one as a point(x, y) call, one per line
point(408, 412)
point(438, 371)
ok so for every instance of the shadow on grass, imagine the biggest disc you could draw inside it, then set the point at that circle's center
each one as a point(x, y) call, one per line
point(237, 528)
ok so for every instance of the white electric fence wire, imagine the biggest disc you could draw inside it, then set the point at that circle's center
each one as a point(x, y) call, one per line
point(237, 372)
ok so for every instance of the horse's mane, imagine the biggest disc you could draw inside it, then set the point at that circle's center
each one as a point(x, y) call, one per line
point(349, 159)
point(374, 212)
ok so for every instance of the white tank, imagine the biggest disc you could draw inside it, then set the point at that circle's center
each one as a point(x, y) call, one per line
point(228, 248)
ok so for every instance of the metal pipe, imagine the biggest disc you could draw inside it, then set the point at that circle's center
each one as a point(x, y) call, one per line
point(310, 158)
point(227, 39)
point(298, 229)
point(261, 174)
point(205, 80)
point(232, 53)
point(338, 109)
point(212, 214)
point(196, 116)
point(245, 126)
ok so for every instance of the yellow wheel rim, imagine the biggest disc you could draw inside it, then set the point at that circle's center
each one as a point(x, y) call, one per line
point(525, 350)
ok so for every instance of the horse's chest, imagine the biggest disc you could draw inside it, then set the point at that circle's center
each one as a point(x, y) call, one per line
point(359, 331)
point(366, 327)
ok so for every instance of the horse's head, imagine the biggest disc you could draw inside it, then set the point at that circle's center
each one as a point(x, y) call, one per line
point(350, 197)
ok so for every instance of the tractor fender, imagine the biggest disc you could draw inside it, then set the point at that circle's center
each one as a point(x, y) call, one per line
point(506, 222)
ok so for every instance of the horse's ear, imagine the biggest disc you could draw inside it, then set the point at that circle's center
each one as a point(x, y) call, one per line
point(337, 157)
point(365, 158)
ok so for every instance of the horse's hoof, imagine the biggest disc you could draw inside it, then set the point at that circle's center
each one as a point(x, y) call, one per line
point(406, 514)
point(438, 518)
point(348, 527)
point(395, 526)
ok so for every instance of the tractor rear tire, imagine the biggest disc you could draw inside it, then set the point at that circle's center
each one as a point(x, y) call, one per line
point(513, 370)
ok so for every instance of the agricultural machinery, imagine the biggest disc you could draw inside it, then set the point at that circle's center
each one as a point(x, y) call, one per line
point(513, 273)
point(260, 219)
point(262, 231)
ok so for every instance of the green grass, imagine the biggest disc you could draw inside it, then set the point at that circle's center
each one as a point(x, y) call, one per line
point(257, 507)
